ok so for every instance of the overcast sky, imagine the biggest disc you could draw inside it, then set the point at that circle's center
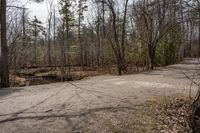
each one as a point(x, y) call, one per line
point(40, 10)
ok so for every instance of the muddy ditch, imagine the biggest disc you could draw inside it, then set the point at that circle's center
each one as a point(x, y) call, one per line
point(39, 76)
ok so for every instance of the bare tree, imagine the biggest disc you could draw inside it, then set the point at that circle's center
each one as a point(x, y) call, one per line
point(50, 8)
point(118, 47)
point(154, 24)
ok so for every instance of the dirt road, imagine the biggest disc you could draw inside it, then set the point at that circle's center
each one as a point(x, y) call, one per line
point(98, 104)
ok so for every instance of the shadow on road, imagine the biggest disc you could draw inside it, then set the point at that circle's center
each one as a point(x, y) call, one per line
point(69, 116)
point(8, 91)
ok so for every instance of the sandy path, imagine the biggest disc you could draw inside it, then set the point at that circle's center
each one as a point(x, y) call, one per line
point(98, 104)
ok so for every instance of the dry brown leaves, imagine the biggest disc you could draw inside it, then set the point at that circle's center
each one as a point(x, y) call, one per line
point(172, 115)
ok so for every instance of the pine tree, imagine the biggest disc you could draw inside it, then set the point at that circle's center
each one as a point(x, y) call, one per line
point(81, 8)
point(67, 23)
point(36, 30)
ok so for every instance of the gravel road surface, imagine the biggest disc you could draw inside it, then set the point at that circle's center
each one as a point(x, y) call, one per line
point(95, 105)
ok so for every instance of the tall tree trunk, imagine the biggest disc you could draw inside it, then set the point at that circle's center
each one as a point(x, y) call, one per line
point(116, 47)
point(98, 38)
point(152, 52)
point(103, 33)
point(54, 33)
point(199, 27)
point(24, 27)
point(63, 55)
point(79, 41)
point(4, 48)
point(49, 43)
point(183, 29)
point(35, 43)
point(123, 35)
point(119, 65)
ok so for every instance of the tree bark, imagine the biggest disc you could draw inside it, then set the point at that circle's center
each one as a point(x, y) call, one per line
point(49, 43)
point(123, 35)
point(4, 48)
point(98, 38)
point(199, 26)
point(35, 43)
point(152, 52)
point(116, 46)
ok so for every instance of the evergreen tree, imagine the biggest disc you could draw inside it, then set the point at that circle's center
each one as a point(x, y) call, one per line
point(36, 30)
point(81, 8)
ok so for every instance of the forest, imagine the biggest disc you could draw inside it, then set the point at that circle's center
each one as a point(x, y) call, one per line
point(120, 36)
point(84, 38)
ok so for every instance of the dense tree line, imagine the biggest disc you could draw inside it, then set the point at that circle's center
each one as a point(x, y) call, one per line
point(99, 33)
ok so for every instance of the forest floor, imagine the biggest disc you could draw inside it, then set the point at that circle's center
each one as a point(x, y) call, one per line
point(102, 104)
